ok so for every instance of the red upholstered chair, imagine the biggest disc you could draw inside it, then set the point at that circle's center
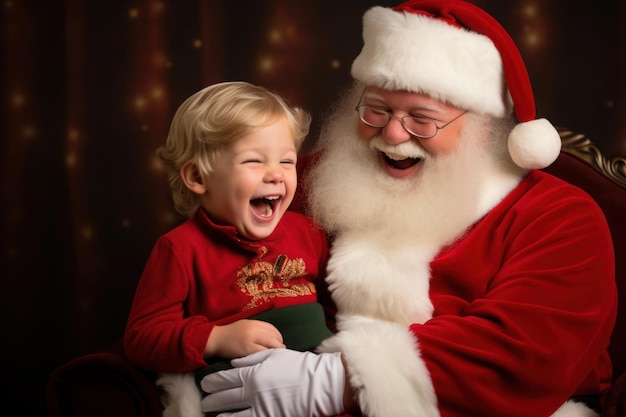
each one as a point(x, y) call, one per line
point(102, 384)
point(582, 164)
point(105, 383)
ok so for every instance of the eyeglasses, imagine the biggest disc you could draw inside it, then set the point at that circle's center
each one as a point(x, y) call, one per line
point(419, 126)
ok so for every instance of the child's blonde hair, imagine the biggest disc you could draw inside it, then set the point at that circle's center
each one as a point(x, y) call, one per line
point(213, 118)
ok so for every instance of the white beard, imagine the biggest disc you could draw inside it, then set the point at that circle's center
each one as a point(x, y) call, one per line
point(387, 230)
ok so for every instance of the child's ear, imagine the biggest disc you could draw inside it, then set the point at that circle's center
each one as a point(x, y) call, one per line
point(192, 178)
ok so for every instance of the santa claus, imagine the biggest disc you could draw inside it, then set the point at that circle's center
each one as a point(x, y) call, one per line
point(467, 282)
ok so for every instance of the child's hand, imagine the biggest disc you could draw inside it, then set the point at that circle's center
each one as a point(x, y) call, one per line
point(242, 338)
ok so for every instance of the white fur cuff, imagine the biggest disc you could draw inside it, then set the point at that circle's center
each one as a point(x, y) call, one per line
point(385, 368)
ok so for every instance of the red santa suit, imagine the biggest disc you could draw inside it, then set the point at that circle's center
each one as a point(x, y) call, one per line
point(501, 335)
point(201, 274)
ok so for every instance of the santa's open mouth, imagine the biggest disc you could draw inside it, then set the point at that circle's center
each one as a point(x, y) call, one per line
point(399, 161)
point(265, 206)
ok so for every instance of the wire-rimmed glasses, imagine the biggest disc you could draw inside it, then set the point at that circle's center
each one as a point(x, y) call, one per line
point(417, 125)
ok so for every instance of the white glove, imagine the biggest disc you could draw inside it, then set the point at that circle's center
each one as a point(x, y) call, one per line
point(278, 383)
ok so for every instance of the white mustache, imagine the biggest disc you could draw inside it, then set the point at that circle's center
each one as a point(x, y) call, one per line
point(408, 149)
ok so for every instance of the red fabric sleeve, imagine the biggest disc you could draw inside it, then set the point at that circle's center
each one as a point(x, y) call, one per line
point(156, 317)
point(538, 330)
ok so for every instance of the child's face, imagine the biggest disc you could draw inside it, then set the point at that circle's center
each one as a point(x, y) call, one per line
point(254, 181)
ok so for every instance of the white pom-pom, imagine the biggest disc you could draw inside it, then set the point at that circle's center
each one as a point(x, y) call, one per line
point(535, 144)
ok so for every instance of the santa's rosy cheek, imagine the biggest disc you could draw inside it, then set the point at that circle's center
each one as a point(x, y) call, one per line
point(366, 132)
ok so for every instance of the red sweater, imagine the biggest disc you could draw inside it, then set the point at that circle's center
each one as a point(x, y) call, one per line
point(201, 274)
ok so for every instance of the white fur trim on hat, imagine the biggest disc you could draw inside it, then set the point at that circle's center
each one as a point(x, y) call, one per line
point(535, 144)
point(405, 51)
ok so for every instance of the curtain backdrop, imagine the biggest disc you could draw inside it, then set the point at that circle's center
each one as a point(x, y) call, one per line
point(89, 88)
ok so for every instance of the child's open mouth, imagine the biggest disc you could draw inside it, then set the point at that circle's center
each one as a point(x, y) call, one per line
point(265, 206)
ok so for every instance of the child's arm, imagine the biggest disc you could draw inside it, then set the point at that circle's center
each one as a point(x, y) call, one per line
point(242, 338)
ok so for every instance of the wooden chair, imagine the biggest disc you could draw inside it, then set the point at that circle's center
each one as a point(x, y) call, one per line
point(105, 383)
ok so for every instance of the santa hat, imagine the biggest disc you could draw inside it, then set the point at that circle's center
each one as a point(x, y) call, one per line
point(456, 52)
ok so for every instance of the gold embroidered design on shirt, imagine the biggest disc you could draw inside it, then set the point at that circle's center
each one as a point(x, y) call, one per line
point(263, 281)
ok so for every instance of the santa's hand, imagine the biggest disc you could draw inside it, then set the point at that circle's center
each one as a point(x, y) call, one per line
point(278, 382)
